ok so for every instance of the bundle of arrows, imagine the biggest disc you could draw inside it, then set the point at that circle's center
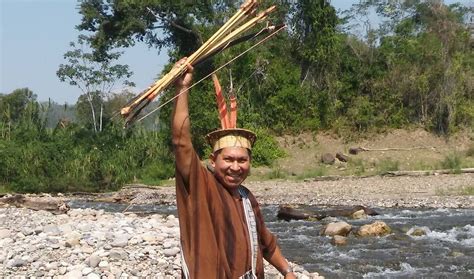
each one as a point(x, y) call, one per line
point(231, 33)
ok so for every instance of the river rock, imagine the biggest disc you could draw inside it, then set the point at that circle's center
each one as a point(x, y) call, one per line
point(91, 244)
point(339, 240)
point(417, 231)
point(359, 214)
point(378, 228)
point(338, 228)
point(341, 157)
point(94, 260)
point(4, 233)
point(328, 159)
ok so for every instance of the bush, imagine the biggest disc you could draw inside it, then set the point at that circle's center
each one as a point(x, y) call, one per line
point(387, 165)
point(266, 149)
point(453, 162)
point(77, 159)
point(470, 151)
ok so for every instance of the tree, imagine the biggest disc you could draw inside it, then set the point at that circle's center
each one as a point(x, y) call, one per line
point(157, 23)
point(95, 76)
point(313, 24)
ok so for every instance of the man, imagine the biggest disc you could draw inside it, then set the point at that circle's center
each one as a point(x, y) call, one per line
point(223, 234)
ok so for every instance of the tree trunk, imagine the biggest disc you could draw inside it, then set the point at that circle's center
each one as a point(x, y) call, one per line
point(94, 122)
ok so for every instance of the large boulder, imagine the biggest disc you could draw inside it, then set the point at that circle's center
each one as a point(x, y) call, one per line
point(378, 228)
point(288, 212)
point(338, 228)
point(355, 150)
point(348, 212)
point(328, 159)
point(341, 157)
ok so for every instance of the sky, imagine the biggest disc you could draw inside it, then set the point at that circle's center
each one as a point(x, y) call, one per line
point(35, 34)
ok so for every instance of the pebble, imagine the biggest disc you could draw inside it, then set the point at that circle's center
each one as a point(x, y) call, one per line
point(111, 245)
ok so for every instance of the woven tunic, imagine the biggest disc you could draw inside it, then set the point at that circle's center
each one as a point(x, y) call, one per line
point(213, 230)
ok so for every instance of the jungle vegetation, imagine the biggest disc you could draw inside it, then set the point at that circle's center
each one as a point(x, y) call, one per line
point(415, 67)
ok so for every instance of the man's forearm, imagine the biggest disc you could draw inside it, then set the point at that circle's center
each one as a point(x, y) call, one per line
point(279, 262)
point(180, 124)
point(180, 118)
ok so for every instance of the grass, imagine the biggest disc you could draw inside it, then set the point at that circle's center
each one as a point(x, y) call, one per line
point(467, 191)
point(387, 165)
point(452, 161)
point(420, 166)
point(4, 190)
point(460, 191)
point(276, 173)
point(470, 151)
point(311, 173)
point(357, 167)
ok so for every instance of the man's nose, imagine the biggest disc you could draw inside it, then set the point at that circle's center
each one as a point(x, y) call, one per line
point(235, 166)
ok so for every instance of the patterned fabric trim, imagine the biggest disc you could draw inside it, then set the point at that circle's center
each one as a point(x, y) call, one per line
point(252, 228)
point(184, 266)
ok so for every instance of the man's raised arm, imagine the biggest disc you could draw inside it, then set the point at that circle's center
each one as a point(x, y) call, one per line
point(180, 124)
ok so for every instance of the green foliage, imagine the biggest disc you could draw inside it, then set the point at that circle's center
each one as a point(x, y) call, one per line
point(464, 190)
point(470, 150)
point(416, 68)
point(276, 173)
point(316, 75)
point(357, 166)
point(95, 76)
point(387, 165)
point(468, 191)
point(266, 149)
point(452, 162)
point(312, 173)
point(75, 158)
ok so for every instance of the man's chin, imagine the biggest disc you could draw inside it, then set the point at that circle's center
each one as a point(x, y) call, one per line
point(233, 183)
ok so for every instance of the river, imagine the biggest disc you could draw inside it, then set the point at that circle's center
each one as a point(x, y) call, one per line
point(446, 251)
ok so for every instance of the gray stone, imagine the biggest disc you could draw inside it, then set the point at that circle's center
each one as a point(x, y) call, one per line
point(338, 228)
point(86, 270)
point(171, 252)
point(93, 276)
point(74, 274)
point(94, 260)
point(5, 233)
point(120, 240)
point(118, 254)
point(103, 264)
point(16, 263)
point(328, 158)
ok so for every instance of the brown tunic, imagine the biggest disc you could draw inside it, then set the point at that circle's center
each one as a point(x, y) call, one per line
point(214, 236)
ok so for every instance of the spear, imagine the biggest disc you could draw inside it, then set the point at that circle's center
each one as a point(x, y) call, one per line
point(222, 39)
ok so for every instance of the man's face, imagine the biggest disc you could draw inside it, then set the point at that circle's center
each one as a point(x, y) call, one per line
point(231, 166)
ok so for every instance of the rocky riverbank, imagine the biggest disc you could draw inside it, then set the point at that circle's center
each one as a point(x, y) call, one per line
point(96, 244)
point(433, 191)
point(92, 244)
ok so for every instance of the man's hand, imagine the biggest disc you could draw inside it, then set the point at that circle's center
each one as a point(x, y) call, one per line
point(184, 81)
point(290, 275)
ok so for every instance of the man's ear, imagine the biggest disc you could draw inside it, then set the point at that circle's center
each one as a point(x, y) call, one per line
point(212, 159)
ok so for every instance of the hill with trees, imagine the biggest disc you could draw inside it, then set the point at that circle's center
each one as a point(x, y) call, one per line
point(413, 69)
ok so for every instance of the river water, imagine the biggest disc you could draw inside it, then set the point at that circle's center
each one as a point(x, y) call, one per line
point(446, 251)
